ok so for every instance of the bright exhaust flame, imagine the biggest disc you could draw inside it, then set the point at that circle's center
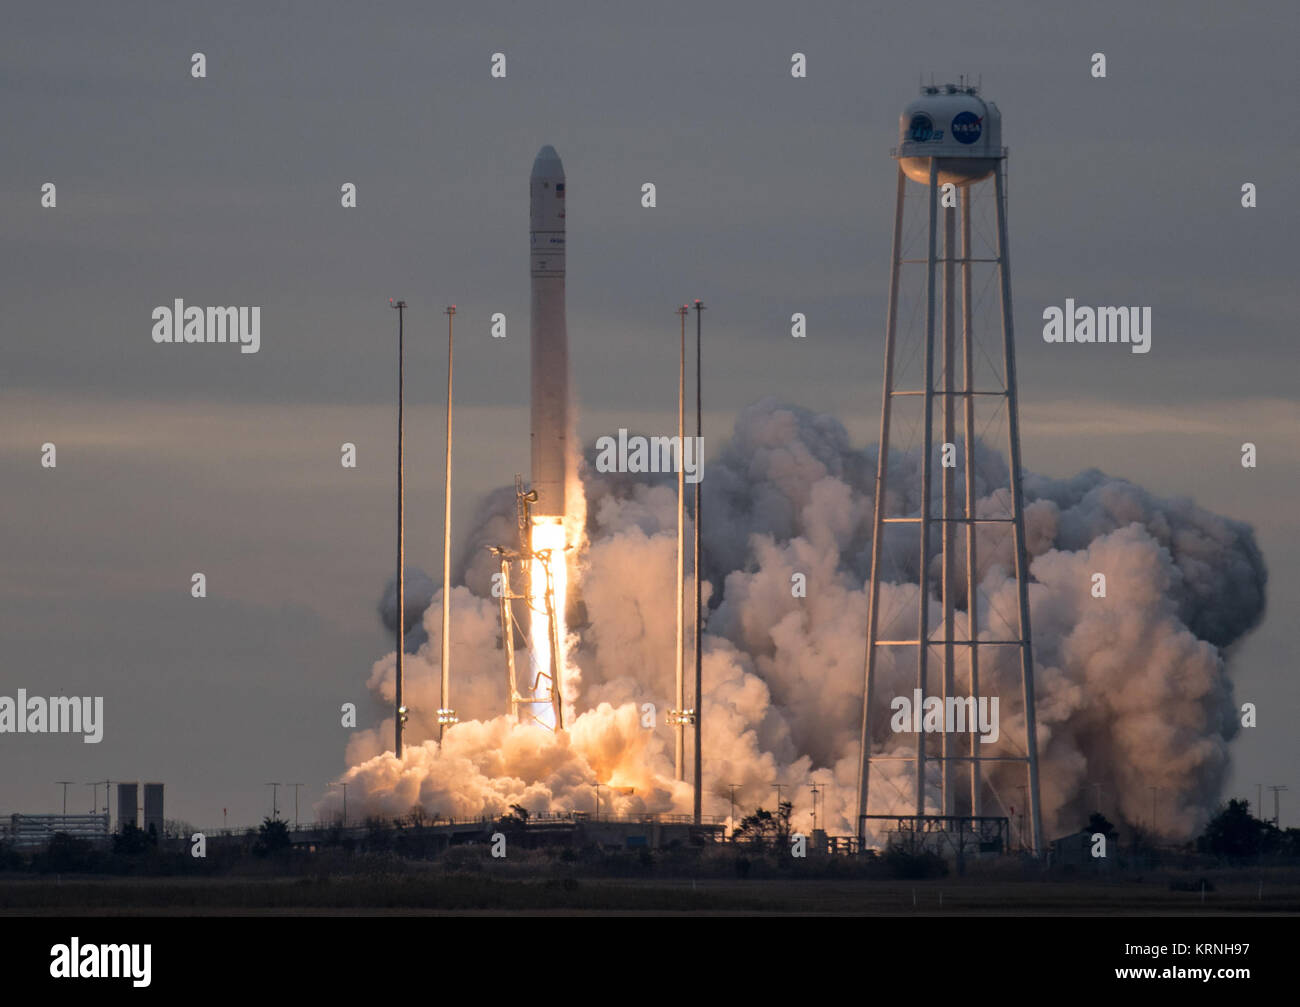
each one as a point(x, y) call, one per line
point(548, 533)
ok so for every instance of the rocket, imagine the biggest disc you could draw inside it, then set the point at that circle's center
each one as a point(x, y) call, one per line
point(549, 340)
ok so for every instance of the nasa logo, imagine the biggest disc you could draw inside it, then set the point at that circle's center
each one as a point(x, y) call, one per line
point(921, 128)
point(966, 127)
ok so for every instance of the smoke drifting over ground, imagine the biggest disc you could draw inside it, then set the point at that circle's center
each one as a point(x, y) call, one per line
point(1133, 689)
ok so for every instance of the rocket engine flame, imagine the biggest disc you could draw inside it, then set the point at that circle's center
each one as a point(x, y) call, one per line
point(546, 633)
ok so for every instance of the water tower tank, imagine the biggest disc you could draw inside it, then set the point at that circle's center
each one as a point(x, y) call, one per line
point(956, 126)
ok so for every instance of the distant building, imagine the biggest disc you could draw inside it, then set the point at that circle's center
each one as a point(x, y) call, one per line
point(128, 805)
point(1076, 851)
point(153, 808)
point(33, 832)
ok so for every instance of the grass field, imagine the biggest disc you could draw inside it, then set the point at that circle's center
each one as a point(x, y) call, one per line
point(453, 893)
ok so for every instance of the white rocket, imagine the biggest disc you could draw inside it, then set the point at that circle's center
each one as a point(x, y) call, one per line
point(549, 335)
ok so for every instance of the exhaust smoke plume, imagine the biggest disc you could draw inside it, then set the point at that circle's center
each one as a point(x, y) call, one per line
point(1133, 689)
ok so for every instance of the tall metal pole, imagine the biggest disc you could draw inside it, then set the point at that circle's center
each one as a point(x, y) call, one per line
point(1018, 511)
point(445, 713)
point(968, 435)
point(948, 743)
point(1277, 805)
point(107, 790)
point(399, 712)
point(296, 788)
point(923, 615)
point(66, 784)
point(877, 525)
point(345, 801)
point(508, 637)
point(680, 726)
point(699, 520)
point(275, 803)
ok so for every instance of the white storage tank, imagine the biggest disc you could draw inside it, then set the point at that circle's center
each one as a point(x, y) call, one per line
point(957, 127)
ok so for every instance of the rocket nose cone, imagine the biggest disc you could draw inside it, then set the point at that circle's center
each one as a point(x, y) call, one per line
point(547, 164)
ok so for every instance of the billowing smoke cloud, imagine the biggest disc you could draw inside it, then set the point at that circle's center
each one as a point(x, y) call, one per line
point(1132, 688)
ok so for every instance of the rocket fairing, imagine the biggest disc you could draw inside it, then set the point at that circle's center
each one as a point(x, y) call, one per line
point(549, 341)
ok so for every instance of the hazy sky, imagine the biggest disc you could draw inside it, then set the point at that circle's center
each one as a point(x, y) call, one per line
point(774, 195)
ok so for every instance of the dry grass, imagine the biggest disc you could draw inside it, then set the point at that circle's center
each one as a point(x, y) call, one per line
point(454, 893)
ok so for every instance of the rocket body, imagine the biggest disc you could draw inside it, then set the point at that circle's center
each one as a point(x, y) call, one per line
point(549, 340)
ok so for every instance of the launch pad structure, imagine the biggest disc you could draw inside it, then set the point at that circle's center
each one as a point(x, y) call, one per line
point(524, 556)
point(958, 835)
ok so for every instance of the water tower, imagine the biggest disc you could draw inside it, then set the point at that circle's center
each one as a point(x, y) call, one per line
point(950, 142)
